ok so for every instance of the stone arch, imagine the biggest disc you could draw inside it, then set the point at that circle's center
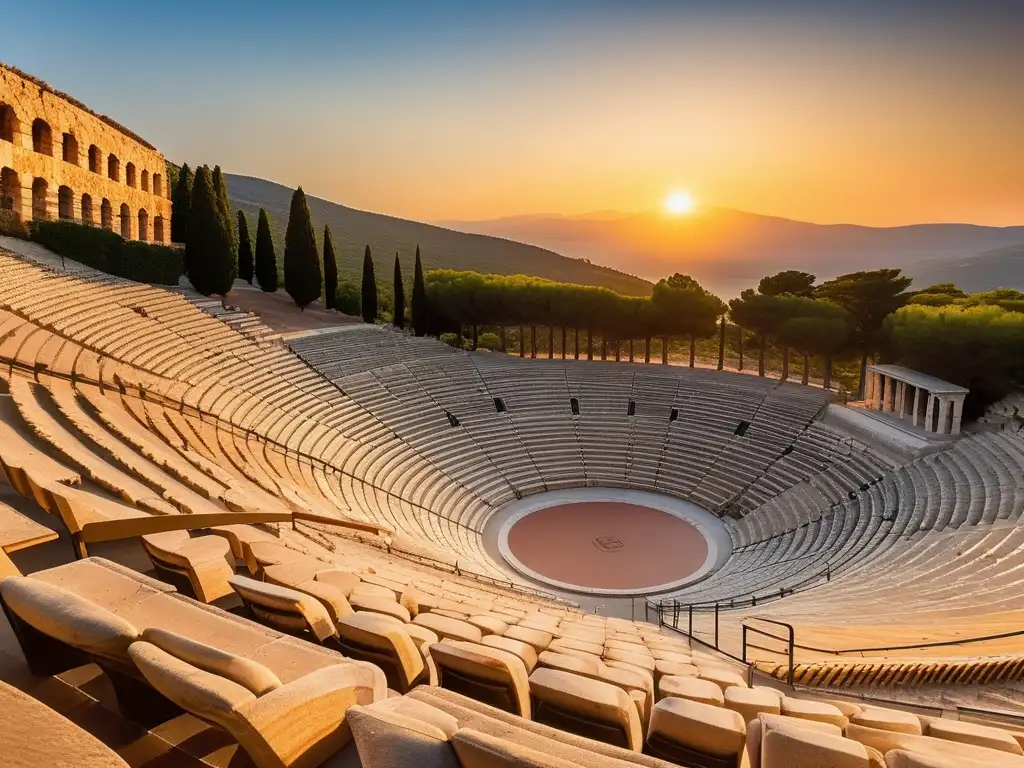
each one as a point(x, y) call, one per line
point(65, 203)
point(9, 125)
point(42, 137)
point(126, 222)
point(106, 215)
point(95, 159)
point(143, 224)
point(40, 189)
point(129, 174)
point(113, 167)
point(158, 228)
point(87, 213)
point(10, 191)
point(69, 148)
point(145, 180)
point(158, 185)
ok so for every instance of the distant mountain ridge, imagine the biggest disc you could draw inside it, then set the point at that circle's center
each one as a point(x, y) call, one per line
point(440, 247)
point(997, 268)
point(729, 250)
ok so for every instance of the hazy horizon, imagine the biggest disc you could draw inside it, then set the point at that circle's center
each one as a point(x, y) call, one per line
point(822, 112)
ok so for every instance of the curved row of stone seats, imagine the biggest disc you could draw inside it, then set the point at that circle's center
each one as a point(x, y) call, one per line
point(869, 533)
point(185, 345)
point(357, 348)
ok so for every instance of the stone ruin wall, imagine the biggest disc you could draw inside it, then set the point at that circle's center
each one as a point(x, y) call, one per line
point(57, 160)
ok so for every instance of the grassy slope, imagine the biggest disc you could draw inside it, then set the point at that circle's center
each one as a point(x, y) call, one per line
point(440, 248)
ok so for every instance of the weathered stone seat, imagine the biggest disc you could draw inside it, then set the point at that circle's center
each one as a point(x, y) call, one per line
point(301, 723)
point(590, 708)
point(490, 675)
point(690, 733)
point(377, 639)
point(197, 566)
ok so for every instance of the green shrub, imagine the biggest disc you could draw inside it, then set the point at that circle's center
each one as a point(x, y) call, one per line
point(347, 297)
point(451, 339)
point(11, 225)
point(488, 341)
point(109, 252)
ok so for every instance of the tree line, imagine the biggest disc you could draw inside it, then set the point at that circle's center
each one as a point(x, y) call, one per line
point(974, 340)
point(219, 249)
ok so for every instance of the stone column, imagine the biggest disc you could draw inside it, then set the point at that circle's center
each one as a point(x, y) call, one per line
point(929, 413)
point(901, 398)
point(944, 408)
point(886, 394)
point(917, 406)
point(876, 391)
point(958, 414)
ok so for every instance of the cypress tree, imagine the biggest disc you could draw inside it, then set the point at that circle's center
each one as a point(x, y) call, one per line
point(220, 186)
point(266, 259)
point(369, 302)
point(399, 316)
point(419, 299)
point(245, 265)
point(302, 277)
point(330, 271)
point(181, 202)
point(211, 267)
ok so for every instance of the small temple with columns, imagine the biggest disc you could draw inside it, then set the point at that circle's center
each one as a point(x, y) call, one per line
point(934, 405)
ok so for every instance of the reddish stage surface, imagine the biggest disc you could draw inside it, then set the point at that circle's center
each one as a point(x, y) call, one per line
point(608, 545)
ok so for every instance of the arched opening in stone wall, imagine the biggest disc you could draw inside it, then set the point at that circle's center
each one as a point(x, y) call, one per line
point(158, 185)
point(158, 229)
point(69, 148)
point(39, 191)
point(65, 203)
point(129, 174)
point(145, 180)
point(106, 215)
point(143, 224)
point(87, 213)
point(113, 167)
point(42, 137)
point(9, 126)
point(126, 222)
point(10, 191)
point(95, 159)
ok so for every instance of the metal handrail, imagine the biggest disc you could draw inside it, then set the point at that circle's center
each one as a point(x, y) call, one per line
point(789, 640)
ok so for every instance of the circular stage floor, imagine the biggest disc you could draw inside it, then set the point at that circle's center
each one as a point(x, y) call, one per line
point(606, 546)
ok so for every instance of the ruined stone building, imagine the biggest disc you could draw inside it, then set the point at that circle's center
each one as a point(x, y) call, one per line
point(59, 159)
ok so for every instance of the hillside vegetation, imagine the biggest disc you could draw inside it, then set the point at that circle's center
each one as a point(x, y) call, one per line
point(441, 248)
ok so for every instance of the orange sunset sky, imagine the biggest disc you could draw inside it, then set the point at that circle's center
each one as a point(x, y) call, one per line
point(871, 112)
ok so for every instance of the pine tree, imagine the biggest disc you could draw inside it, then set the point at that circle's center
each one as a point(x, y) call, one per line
point(211, 267)
point(245, 265)
point(330, 271)
point(302, 277)
point(369, 302)
point(419, 299)
point(181, 202)
point(220, 186)
point(266, 259)
point(399, 315)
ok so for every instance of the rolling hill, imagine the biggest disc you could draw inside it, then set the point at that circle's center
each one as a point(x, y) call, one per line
point(439, 247)
point(729, 250)
point(997, 268)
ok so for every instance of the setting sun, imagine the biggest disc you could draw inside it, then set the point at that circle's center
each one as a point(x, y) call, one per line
point(679, 203)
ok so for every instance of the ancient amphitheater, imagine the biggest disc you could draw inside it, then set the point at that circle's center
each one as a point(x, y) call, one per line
point(358, 547)
point(58, 159)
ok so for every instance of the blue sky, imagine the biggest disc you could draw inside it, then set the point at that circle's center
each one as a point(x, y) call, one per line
point(474, 109)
